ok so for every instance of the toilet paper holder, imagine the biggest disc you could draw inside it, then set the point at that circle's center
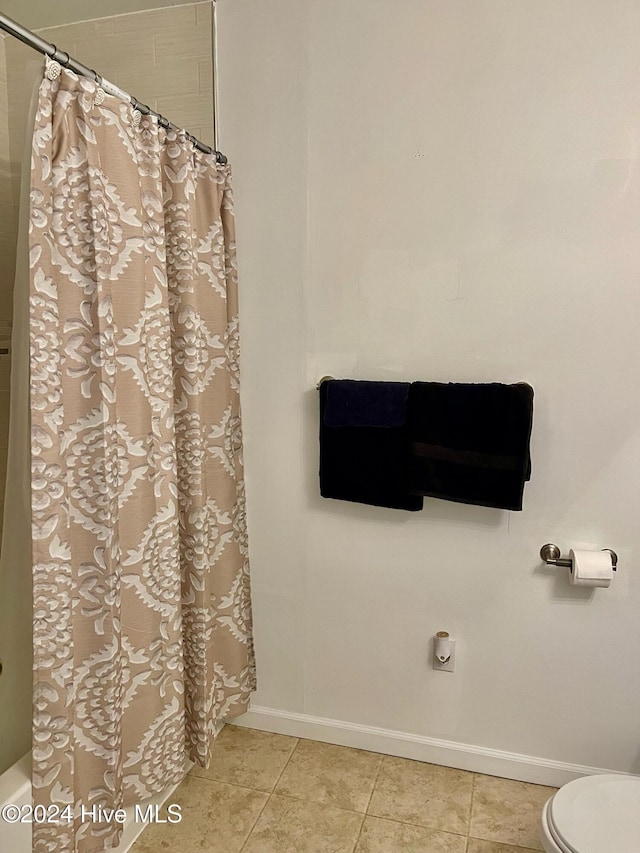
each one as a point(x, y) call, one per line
point(550, 555)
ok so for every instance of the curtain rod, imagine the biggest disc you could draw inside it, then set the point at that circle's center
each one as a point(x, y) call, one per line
point(24, 35)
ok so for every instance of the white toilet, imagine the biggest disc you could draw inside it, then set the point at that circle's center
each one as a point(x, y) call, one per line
point(594, 814)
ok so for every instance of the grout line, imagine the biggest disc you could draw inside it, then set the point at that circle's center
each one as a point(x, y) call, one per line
point(376, 817)
point(270, 794)
point(417, 825)
point(224, 782)
point(318, 803)
point(242, 788)
point(473, 795)
point(355, 846)
point(285, 766)
point(255, 823)
point(366, 810)
point(509, 844)
point(375, 782)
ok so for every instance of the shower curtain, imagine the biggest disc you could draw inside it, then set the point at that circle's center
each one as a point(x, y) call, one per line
point(142, 614)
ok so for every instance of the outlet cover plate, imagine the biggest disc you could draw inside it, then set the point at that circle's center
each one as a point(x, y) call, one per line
point(449, 666)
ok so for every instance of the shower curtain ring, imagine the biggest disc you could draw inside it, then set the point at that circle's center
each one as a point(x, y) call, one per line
point(61, 56)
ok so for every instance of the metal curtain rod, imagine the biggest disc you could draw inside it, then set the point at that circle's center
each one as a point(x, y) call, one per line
point(24, 35)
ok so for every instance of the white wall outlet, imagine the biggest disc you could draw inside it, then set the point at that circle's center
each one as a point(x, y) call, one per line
point(447, 665)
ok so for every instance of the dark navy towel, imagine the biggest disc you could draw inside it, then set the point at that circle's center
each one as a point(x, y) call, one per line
point(364, 443)
point(352, 402)
point(470, 442)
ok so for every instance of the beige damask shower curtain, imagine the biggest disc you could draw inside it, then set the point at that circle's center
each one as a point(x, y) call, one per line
point(142, 615)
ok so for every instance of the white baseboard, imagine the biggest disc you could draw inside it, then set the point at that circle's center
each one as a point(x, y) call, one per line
point(493, 762)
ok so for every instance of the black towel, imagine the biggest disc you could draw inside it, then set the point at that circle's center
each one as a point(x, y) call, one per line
point(364, 443)
point(470, 443)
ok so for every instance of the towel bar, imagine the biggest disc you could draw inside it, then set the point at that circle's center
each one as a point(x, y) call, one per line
point(324, 379)
point(550, 554)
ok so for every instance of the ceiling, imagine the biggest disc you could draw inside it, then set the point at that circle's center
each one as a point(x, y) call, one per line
point(37, 14)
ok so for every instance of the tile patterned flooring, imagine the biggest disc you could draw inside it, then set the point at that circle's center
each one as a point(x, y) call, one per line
point(267, 793)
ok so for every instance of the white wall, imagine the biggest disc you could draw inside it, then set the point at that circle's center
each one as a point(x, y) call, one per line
point(443, 191)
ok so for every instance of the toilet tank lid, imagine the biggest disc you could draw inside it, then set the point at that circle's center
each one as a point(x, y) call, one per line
point(598, 813)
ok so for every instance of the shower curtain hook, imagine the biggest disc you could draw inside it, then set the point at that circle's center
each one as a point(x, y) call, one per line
point(60, 56)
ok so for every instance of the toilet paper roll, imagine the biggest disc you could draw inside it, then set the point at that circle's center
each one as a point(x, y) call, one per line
point(591, 568)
